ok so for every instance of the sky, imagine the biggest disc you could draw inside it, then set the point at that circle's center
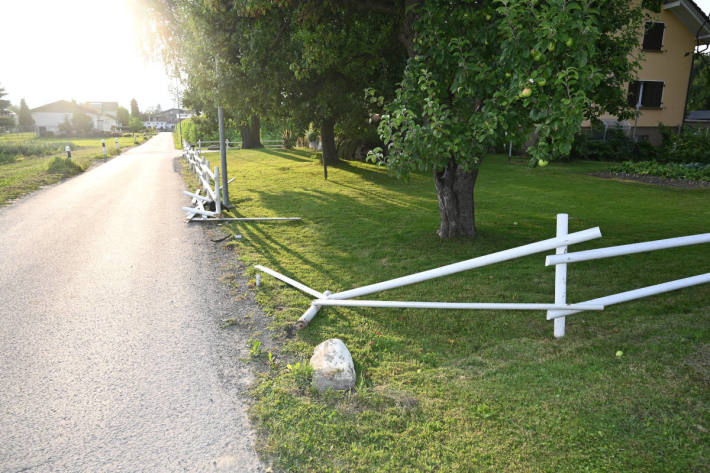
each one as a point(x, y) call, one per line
point(83, 50)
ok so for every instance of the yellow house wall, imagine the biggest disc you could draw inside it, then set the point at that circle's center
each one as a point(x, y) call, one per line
point(671, 66)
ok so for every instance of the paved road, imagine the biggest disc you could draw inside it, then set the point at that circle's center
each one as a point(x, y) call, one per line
point(111, 355)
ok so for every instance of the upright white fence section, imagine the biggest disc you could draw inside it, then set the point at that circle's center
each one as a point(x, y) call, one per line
point(556, 311)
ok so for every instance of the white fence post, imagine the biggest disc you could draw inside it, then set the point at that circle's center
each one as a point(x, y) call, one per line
point(561, 274)
point(217, 201)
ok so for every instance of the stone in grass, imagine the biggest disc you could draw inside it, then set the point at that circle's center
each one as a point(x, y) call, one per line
point(332, 366)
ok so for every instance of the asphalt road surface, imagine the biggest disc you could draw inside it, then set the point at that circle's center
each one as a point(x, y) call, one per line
point(112, 358)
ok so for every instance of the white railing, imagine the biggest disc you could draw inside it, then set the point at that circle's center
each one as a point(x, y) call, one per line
point(238, 144)
point(556, 310)
point(210, 191)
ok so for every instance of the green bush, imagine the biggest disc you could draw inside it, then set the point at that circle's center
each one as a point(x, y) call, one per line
point(34, 148)
point(6, 158)
point(616, 147)
point(692, 146)
point(689, 171)
point(63, 166)
point(289, 141)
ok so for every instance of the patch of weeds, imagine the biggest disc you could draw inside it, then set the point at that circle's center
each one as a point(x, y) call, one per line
point(63, 166)
point(255, 347)
point(301, 372)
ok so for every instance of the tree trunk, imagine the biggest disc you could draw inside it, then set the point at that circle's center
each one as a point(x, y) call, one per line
point(327, 134)
point(251, 134)
point(454, 189)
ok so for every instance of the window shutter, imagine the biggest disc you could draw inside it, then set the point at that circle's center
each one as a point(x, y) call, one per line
point(653, 37)
point(633, 95)
point(652, 94)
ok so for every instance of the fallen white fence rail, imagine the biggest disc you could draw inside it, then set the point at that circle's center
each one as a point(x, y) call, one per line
point(555, 311)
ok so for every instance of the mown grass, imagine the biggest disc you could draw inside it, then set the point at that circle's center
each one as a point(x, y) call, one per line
point(461, 391)
point(29, 173)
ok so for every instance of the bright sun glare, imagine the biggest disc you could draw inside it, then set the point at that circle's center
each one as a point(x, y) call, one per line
point(77, 49)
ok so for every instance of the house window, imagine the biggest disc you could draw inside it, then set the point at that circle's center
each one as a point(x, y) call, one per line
point(653, 36)
point(651, 92)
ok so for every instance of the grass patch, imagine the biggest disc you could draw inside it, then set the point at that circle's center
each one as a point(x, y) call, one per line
point(491, 391)
point(26, 167)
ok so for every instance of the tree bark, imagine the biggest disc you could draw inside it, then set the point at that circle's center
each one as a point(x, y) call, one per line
point(251, 133)
point(454, 189)
point(327, 133)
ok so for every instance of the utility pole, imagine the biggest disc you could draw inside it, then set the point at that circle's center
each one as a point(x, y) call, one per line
point(222, 148)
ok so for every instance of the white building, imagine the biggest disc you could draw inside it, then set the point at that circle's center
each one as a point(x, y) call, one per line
point(48, 117)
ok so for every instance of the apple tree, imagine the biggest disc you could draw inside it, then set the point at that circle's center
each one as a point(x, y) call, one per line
point(481, 73)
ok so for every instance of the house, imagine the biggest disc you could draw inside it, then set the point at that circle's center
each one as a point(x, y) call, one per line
point(166, 119)
point(48, 117)
point(660, 93)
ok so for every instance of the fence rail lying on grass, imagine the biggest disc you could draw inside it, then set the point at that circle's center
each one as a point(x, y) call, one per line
point(555, 311)
point(210, 191)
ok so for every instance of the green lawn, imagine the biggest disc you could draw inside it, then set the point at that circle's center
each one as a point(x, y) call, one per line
point(460, 391)
point(28, 173)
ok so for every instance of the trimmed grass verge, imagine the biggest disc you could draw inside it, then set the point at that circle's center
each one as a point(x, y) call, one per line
point(461, 391)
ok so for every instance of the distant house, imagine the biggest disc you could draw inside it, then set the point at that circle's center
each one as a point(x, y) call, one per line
point(48, 117)
point(660, 93)
point(166, 119)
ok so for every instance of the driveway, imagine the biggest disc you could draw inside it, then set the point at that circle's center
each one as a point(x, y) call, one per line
point(111, 354)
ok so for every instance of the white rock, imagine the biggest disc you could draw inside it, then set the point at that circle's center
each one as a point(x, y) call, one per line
point(332, 366)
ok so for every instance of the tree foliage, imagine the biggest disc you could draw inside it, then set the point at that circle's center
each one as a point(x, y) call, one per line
point(24, 116)
point(82, 123)
point(487, 72)
point(481, 73)
point(699, 97)
point(6, 120)
point(123, 117)
point(135, 111)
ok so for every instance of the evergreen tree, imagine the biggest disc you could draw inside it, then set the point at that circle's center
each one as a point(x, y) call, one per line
point(135, 112)
point(25, 117)
point(6, 120)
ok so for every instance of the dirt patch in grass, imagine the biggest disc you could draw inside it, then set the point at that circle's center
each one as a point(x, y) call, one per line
point(663, 181)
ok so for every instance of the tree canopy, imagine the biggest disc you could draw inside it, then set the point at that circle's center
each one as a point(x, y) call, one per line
point(6, 120)
point(447, 80)
point(24, 116)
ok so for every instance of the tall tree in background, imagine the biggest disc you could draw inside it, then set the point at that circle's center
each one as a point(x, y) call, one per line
point(123, 117)
point(6, 120)
point(699, 97)
point(482, 72)
point(135, 112)
point(284, 60)
point(82, 123)
point(24, 116)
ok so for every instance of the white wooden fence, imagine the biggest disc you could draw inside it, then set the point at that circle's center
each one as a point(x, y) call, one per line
point(210, 191)
point(556, 310)
point(237, 144)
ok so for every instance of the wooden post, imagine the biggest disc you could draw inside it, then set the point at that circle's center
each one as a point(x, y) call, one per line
point(561, 275)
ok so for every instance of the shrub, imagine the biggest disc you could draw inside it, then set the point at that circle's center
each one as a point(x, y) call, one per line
point(616, 147)
point(289, 141)
point(63, 166)
point(6, 158)
point(311, 133)
point(33, 148)
point(692, 146)
point(689, 171)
